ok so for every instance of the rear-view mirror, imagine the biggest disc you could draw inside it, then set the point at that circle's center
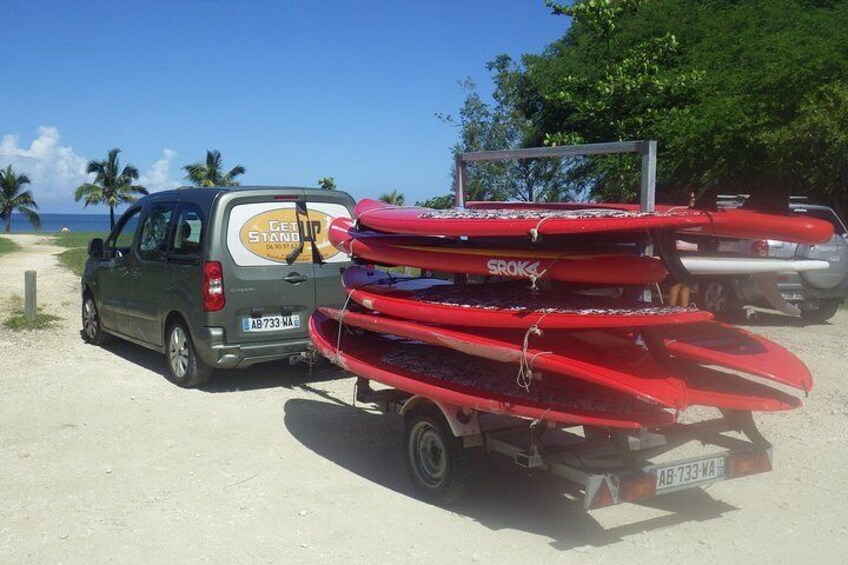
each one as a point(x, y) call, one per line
point(95, 248)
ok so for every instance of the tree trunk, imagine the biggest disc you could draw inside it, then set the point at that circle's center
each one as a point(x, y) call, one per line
point(9, 223)
point(111, 217)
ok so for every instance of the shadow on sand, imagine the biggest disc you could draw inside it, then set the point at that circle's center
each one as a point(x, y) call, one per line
point(260, 376)
point(369, 444)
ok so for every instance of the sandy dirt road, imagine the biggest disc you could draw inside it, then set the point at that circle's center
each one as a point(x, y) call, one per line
point(103, 461)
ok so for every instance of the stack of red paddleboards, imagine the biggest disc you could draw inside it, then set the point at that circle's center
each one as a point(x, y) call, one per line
point(544, 319)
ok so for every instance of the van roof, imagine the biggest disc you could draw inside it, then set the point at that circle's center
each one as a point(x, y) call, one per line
point(207, 194)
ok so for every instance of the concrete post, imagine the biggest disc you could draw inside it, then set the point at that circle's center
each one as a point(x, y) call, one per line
point(30, 295)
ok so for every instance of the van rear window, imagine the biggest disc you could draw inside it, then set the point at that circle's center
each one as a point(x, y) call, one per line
point(267, 233)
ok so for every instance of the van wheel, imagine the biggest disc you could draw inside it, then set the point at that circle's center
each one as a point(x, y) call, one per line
point(184, 367)
point(92, 330)
point(438, 464)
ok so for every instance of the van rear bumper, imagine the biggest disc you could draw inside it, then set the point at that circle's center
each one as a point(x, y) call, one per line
point(212, 348)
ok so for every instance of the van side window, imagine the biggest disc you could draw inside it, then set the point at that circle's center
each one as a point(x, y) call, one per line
point(121, 240)
point(153, 242)
point(188, 231)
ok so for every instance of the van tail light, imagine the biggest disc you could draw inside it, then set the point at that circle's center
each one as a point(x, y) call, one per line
point(213, 286)
point(760, 248)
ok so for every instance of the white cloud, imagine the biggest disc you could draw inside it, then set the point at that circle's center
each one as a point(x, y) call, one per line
point(56, 169)
point(158, 177)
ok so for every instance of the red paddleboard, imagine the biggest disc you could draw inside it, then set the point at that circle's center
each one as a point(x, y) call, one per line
point(704, 386)
point(552, 352)
point(728, 346)
point(502, 304)
point(576, 267)
point(737, 223)
point(454, 378)
point(517, 222)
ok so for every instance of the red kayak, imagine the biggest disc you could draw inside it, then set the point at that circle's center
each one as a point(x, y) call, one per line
point(453, 378)
point(728, 346)
point(502, 304)
point(736, 223)
point(575, 267)
point(518, 222)
point(552, 352)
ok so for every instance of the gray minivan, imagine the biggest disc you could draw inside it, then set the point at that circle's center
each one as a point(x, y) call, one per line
point(215, 277)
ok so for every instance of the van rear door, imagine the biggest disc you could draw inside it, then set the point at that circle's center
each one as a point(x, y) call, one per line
point(268, 275)
point(329, 262)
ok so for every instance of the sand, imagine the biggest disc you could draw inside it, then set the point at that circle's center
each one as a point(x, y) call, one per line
point(102, 460)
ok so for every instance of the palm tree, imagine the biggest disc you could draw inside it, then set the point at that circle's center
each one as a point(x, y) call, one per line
point(393, 197)
point(327, 183)
point(211, 173)
point(110, 187)
point(12, 199)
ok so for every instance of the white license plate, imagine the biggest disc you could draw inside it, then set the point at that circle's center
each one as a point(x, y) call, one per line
point(270, 323)
point(792, 295)
point(692, 472)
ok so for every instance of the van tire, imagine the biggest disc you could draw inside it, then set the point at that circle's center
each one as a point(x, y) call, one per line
point(92, 329)
point(185, 369)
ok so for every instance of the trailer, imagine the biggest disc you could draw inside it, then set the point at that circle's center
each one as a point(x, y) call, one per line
point(601, 466)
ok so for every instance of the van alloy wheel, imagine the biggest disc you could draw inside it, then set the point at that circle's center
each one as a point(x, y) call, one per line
point(92, 329)
point(90, 320)
point(178, 354)
point(185, 368)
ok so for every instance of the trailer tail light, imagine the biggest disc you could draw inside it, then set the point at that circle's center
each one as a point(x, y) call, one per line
point(638, 487)
point(213, 286)
point(760, 248)
point(743, 464)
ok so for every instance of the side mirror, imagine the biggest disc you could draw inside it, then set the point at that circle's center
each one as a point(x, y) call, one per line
point(95, 248)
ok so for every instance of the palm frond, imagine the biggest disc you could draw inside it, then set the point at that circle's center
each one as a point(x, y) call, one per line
point(31, 215)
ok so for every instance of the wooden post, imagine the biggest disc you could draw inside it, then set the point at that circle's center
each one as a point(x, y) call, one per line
point(30, 295)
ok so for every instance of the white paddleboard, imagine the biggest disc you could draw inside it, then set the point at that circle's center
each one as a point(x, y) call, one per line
point(749, 266)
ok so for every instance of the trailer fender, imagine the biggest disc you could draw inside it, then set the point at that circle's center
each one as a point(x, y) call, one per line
point(462, 421)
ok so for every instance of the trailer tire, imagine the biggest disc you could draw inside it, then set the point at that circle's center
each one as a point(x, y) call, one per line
point(438, 464)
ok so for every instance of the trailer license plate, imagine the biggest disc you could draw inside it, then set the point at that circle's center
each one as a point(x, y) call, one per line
point(689, 473)
point(270, 323)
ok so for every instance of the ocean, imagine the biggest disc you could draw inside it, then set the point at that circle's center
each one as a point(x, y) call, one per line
point(51, 223)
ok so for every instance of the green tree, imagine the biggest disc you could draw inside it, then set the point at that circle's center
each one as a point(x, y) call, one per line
point(722, 85)
point(394, 197)
point(112, 185)
point(327, 183)
point(438, 202)
point(212, 172)
point(13, 200)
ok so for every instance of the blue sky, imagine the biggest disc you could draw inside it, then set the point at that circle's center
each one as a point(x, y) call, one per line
point(292, 90)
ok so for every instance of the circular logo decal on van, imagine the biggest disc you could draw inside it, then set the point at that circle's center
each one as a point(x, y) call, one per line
point(273, 235)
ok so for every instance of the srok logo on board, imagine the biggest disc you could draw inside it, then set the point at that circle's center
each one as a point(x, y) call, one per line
point(274, 234)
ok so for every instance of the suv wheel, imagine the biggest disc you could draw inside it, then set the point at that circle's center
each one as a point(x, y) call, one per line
point(718, 297)
point(92, 331)
point(827, 309)
point(184, 367)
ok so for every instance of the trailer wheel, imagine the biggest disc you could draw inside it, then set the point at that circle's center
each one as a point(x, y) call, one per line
point(438, 464)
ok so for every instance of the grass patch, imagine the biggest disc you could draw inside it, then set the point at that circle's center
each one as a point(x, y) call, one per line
point(77, 239)
point(74, 259)
point(18, 321)
point(7, 245)
point(77, 243)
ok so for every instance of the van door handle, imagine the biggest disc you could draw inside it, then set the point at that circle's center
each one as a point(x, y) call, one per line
point(294, 278)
